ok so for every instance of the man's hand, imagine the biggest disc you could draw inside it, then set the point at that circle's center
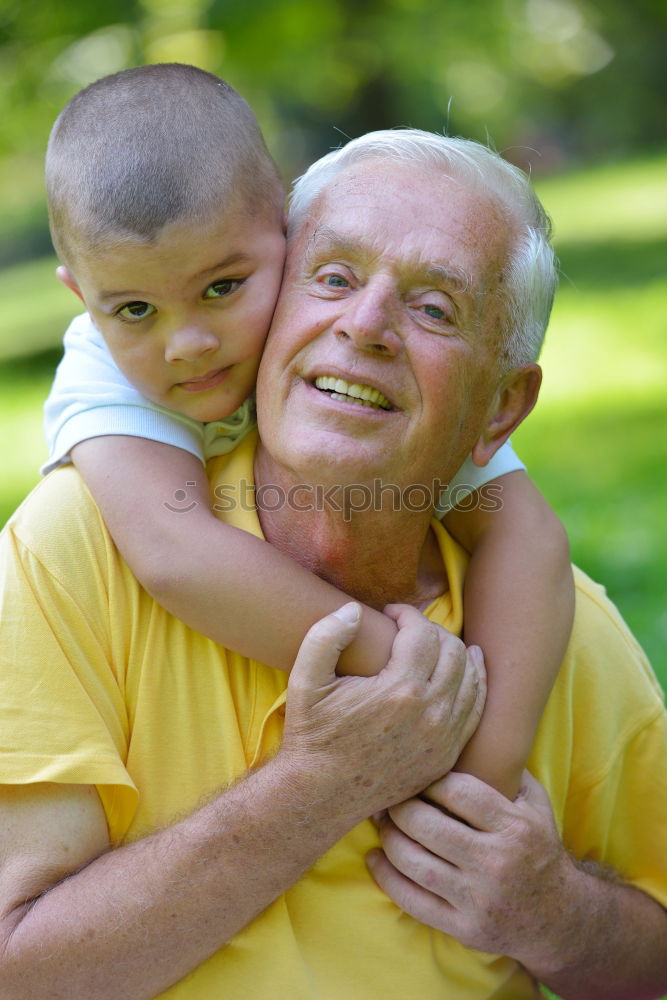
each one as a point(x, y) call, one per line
point(373, 741)
point(489, 875)
point(495, 876)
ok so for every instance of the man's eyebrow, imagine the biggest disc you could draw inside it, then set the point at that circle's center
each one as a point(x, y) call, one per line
point(230, 261)
point(444, 274)
point(325, 241)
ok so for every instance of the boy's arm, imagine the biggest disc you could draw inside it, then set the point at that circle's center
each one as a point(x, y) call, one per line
point(220, 580)
point(518, 606)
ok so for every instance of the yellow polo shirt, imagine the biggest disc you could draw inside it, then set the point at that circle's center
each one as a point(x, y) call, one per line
point(100, 685)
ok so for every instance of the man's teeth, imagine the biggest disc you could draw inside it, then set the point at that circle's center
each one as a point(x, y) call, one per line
point(352, 392)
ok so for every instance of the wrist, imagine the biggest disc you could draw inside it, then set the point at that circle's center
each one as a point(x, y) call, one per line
point(317, 796)
point(559, 946)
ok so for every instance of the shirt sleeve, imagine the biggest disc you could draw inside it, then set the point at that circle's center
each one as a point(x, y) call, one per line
point(63, 716)
point(471, 477)
point(601, 747)
point(90, 397)
point(622, 820)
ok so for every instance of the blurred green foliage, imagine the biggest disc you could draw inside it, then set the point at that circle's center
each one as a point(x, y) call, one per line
point(550, 81)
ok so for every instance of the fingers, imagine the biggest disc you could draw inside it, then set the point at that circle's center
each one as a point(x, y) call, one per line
point(479, 805)
point(533, 795)
point(472, 800)
point(428, 651)
point(430, 871)
point(442, 835)
point(459, 683)
point(533, 792)
point(315, 664)
point(449, 679)
point(403, 614)
point(471, 696)
point(419, 902)
point(417, 644)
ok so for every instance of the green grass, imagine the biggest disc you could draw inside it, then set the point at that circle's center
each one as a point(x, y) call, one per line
point(618, 202)
point(597, 442)
point(604, 471)
point(24, 384)
point(36, 309)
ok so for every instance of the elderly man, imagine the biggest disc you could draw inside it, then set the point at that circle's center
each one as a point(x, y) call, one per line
point(242, 823)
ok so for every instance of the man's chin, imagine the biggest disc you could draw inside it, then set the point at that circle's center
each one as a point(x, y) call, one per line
point(345, 470)
point(327, 458)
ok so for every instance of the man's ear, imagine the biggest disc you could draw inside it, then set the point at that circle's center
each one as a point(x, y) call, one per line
point(515, 398)
point(65, 275)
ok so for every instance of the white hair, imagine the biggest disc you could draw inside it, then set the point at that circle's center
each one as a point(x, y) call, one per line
point(530, 275)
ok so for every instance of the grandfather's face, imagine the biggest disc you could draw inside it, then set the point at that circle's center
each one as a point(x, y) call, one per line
point(382, 357)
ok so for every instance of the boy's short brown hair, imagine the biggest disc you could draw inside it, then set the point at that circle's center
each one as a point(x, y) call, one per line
point(148, 146)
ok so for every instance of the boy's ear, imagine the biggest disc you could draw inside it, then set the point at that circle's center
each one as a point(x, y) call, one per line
point(514, 400)
point(65, 275)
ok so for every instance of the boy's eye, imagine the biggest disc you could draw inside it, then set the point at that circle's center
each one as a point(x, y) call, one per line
point(135, 311)
point(219, 289)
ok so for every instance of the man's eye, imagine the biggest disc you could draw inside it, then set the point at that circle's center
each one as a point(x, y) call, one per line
point(434, 312)
point(135, 311)
point(219, 289)
point(336, 281)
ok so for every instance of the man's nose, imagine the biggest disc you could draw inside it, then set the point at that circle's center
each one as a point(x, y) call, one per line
point(371, 319)
point(189, 343)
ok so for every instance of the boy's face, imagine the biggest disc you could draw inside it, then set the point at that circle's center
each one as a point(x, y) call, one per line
point(185, 317)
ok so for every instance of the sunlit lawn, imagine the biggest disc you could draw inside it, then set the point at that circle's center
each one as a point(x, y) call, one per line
point(597, 443)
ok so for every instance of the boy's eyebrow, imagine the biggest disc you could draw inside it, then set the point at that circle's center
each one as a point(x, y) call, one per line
point(326, 240)
point(233, 258)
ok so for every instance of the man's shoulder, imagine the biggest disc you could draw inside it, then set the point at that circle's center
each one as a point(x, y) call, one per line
point(606, 695)
point(604, 646)
point(58, 521)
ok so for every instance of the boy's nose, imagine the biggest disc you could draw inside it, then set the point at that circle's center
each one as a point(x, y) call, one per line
point(190, 343)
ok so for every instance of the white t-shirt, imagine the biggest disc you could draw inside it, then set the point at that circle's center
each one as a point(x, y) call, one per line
point(90, 397)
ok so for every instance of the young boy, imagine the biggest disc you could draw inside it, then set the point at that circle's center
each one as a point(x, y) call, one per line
point(167, 214)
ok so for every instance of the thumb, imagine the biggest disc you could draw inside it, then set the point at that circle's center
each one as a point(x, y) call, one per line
point(533, 792)
point(316, 661)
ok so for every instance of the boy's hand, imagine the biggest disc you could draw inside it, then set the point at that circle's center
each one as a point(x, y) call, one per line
point(368, 742)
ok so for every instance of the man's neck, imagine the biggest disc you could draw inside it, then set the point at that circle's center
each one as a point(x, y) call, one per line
point(368, 549)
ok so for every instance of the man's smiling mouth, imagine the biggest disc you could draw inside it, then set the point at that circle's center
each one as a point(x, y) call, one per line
point(352, 392)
